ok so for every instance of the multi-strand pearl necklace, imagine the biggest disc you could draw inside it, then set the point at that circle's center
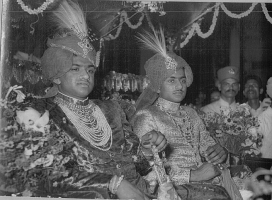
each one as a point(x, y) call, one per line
point(89, 121)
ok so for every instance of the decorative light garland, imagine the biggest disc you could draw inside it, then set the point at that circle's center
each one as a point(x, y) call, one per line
point(196, 27)
point(36, 10)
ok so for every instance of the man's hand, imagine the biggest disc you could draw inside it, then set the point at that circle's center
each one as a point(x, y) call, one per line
point(205, 172)
point(154, 138)
point(128, 191)
point(216, 154)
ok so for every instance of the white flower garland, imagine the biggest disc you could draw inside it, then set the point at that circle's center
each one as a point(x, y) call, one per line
point(124, 15)
point(110, 36)
point(124, 18)
point(36, 10)
point(196, 27)
point(189, 36)
point(265, 11)
point(238, 16)
point(214, 20)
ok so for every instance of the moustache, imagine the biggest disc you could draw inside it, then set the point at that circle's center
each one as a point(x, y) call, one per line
point(231, 90)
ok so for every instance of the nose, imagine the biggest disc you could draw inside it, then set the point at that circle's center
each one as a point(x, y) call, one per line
point(85, 74)
point(178, 86)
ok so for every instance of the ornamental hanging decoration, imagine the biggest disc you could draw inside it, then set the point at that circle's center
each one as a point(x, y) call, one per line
point(36, 10)
point(195, 26)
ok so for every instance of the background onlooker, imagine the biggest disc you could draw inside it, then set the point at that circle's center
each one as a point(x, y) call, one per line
point(214, 95)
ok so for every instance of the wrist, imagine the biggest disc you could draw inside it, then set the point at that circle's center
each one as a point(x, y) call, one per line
point(146, 152)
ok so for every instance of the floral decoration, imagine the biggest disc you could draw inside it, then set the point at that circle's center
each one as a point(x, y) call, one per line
point(33, 150)
point(35, 11)
point(236, 130)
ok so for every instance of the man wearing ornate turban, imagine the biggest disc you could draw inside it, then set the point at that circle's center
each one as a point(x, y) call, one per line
point(102, 149)
point(159, 110)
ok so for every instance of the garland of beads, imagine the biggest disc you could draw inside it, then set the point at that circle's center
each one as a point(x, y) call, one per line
point(36, 10)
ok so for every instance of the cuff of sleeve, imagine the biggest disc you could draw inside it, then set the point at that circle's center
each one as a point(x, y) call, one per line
point(180, 177)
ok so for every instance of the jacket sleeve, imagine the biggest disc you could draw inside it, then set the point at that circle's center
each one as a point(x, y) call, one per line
point(143, 122)
point(133, 145)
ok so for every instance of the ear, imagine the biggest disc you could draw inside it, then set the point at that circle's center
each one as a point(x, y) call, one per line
point(261, 90)
point(57, 81)
point(219, 86)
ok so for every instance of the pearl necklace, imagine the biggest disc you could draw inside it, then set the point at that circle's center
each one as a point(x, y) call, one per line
point(89, 121)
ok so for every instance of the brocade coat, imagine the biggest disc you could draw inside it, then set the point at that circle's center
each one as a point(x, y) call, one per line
point(91, 168)
point(184, 131)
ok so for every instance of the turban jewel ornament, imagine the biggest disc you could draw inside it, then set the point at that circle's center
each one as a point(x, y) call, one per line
point(70, 21)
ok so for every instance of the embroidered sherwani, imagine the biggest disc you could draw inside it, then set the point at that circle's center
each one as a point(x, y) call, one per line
point(183, 129)
point(91, 169)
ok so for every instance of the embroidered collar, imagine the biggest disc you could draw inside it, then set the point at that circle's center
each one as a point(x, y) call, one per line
point(167, 105)
point(73, 100)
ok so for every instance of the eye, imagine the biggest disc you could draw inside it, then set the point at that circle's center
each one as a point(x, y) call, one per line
point(74, 68)
point(91, 71)
point(183, 81)
point(171, 80)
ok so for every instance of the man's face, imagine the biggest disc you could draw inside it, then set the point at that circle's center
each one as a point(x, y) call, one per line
point(174, 87)
point(252, 89)
point(215, 96)
point(229, 88)
point(78, 82)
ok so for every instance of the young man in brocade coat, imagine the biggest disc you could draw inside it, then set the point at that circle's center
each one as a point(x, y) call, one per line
point(159, 109)
point(103, 148)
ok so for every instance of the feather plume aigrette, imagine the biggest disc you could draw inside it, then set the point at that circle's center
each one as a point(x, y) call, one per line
point(69, 16)
point(156, 43)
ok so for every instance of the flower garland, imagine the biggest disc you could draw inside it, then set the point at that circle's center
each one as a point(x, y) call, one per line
point(124, 18)
point(196, 27)
point(110, 36)
point(36, 10)
point(238, 16)
point(124, 15)
point(265, 11)
point(215, 15)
